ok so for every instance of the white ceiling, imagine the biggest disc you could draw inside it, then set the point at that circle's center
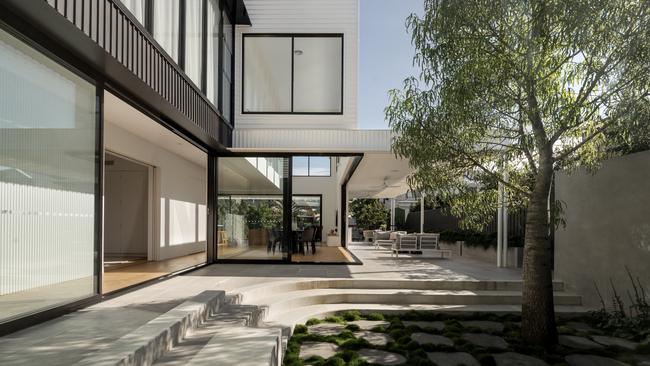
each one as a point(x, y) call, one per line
point(121, 114)
point(379, 175)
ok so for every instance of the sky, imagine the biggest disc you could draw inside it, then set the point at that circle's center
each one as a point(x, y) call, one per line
point(385, 56)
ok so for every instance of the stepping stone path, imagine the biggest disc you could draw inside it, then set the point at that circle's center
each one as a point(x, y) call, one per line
point(322, 349)
point(437, 340)
point(326, 329)
point(578, 342)
point(517, 359)
point(483, 325)
point(381, 357)
point(374, 338)
point(485, 340)
point(370, 324)
point(615, 342)
point(581, 327)
point(424, 324)
point(452, 359)
point(591, 360)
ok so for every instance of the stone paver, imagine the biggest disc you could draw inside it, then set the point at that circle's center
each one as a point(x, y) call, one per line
point(483, 325)
point(642, 360)
point(381, 357)
point(425, 324)
point(517, 359)
point(452, 359)
point(592, 360)
point(437, 340)
point(326, 329)
point(578, 342)
point(581, 327)
point(322, 349)
point(615, 342)
point(374, 338)
point(485, 340)
point(370, 324)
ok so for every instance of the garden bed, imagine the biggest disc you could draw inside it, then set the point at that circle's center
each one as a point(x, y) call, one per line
point(425, 338)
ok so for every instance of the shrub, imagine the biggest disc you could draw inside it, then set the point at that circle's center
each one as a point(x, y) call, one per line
point(375, 316)
point(300, 329)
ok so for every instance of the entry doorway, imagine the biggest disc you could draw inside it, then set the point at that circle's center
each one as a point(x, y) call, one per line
point(128, 206)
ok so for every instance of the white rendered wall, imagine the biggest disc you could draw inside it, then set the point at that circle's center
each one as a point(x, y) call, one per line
point(179, 194)
point(303, 16)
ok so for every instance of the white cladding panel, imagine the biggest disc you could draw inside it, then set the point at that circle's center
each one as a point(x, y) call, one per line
point(303, 16)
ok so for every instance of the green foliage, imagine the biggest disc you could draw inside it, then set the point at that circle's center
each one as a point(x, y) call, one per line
point(370, 214)
point(375, 316)
point(313, 321)
point(351, 315)
point(263, 216)
point(299, 329)
point(628, 320)
point(479, 239)
point(335, 319)
point(514, 87)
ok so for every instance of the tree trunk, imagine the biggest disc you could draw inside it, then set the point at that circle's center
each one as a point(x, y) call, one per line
point(537, 310)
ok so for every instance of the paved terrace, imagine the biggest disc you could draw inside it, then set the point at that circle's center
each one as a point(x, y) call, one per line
point(71, 338)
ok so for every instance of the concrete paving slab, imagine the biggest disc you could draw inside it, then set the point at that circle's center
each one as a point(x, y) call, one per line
point(381, 357)
point(374, 338)
point(322, 349)
point(578, 342)
point(452, 359)
point(485, 340)
point(592, 360)
point(516, 359)
point(436, 340)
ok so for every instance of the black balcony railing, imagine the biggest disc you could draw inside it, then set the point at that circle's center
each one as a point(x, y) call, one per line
point(115, 30)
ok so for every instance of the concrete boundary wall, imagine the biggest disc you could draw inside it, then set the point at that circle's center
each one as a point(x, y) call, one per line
point(607, 227)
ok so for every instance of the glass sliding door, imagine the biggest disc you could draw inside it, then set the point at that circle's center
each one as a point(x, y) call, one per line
point(48, 183)
point(251, 209)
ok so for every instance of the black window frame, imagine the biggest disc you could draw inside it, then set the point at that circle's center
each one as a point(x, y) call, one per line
point(293, 36)
point(309, 166)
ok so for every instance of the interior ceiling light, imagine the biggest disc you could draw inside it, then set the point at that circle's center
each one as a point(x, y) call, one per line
point(298, 52)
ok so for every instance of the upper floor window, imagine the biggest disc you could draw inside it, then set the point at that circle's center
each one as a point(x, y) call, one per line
point(311, 166)
point(137, 8)
point(300, 74)
point(166, 19)
point(194, 40)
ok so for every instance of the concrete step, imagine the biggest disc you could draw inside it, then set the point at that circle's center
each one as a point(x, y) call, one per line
point(299, 315)
point(148, 342)
point(294, 299)
point(254, 293)
point(231, 336)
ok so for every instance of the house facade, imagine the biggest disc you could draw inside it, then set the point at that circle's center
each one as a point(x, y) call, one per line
point(143, 138)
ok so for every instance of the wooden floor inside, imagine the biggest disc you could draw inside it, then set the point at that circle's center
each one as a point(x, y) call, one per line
point(117, 277)
point(325, 255)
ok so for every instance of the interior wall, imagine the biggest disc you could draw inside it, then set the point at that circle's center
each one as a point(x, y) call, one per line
point(179, 193)
point(607, 229)
point(126, 208)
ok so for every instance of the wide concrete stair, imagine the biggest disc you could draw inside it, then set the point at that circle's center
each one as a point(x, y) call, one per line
point(251, 327)
point(291, 302)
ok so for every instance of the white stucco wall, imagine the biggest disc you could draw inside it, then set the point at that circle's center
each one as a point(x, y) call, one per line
point(607, 227)
point(180, 193)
